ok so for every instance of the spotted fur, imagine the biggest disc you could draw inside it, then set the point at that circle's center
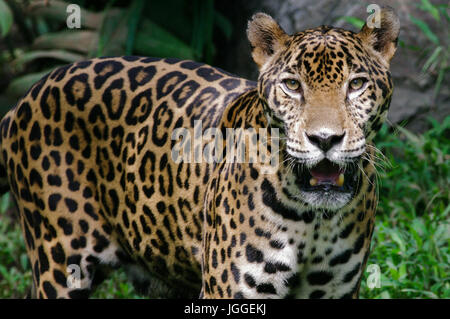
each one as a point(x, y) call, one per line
point(86, 154)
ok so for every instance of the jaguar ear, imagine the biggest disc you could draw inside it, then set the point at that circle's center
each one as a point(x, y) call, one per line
point(381, 33)
point(266, 37)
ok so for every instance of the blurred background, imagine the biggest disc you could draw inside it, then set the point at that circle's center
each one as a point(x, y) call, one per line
point(412, 236)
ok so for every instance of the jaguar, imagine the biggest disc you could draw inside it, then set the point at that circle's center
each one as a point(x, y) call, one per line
point(87, 154)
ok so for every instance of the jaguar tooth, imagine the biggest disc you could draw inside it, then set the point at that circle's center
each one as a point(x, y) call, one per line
point(313, 182)
point(340, 180)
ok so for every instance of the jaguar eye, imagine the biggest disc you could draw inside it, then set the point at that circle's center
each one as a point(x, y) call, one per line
point(357, 84)
point(292, 85)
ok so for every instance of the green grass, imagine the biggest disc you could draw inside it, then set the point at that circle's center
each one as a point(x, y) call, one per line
point(116, 287)
point(15, 274)
point(412, 230)
point(410, 244)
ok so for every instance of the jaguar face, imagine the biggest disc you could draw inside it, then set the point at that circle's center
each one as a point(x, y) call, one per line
point(328, 90)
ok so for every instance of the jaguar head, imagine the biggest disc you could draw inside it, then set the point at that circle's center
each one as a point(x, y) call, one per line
point(328, 90)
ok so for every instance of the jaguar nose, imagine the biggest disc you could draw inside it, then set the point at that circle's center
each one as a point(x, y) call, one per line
point(325, 141)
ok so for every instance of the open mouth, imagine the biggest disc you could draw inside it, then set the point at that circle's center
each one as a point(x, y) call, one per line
point(327, 176)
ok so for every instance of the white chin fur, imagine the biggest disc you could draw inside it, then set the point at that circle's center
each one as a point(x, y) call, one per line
point(326, 200)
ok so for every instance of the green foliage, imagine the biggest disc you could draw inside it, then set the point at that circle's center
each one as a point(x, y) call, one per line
point(354, 21)
point(6, 18)
point(15, 274)
point(412, 230)
point(423, 26)
point(135, 11)
point(116, 287)
point(438, 54)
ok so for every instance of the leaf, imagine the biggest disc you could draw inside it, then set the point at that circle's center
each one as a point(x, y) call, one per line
point(223, 24)
point(4, 203)
point(423, 26)
point(356, 22)
point(6, 18)
point(429, 294)
point(443, 9)
point(81, 41)
point(53, 54)
point(439, 79)
point(430, 8)
point(113, 31)
point(4, 272)
point(42, 26)
point(153, 40)
point(385, 295)
point(197, 42)
point(417, 238)
point(202, 29)
point(432, 58)
point(134, 18)
point(446, 211)
point(397, 239)
point(208, 17)
point(402, 272)
point(20, 85)
point(24, 261)
point(161, 48)
point(417, 140)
